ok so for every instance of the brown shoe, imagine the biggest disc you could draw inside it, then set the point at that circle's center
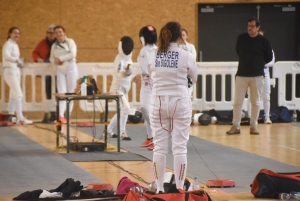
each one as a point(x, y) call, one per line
point(233, 130)
point(253, 131)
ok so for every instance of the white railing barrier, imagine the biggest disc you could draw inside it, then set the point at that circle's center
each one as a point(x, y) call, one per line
point(32, 70)
point(212, 69)
point(280, 70)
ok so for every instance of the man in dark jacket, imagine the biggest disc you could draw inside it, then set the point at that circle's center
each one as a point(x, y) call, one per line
point(254, 51)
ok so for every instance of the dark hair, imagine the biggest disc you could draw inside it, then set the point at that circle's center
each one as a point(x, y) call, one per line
point(184, 31)
point(168, 33)
point(257, 22)
point(59, 27)
point(10, 31)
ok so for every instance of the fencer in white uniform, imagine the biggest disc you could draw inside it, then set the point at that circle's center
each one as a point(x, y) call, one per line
point(191, 48)
point(121, 85)
point(12, 74)
point(171, 108)
point(266, 91)
point(148, 38)
point(188, 47)
point(63, 54)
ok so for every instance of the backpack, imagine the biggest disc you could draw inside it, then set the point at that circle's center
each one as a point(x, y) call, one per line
point(125, 184)
point(268, 184)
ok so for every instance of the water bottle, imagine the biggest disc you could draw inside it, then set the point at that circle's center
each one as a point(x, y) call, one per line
point(14, 119)
point(83, 90)
point(294, 116)
point(108, 146)
point(289, 196)
point(196, 184)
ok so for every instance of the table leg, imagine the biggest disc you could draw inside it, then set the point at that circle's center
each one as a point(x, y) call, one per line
point(105, 122)
point(118, 122)
point(58, 125)
point(68, 126)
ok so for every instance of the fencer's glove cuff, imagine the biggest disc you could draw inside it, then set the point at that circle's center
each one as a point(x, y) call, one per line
point(20, 62)
point(127, 71)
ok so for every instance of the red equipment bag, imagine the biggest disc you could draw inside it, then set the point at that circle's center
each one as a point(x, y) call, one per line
point(268, 184)
point(134, 196)
point(196, 195)
point(125, 184)
point(6, 119)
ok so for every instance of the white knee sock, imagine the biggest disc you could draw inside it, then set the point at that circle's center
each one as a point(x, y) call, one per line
point(112, 124)
point(123, 121)
point(145, 114)
point(12, 106)
point(180, 166)
point(18, 105)
point(71, 105)
point(267, 108)
point(159, 165)
point(62, 107)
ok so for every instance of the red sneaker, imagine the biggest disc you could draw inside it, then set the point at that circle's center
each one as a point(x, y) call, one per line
point(147, 142)
point(151, 147)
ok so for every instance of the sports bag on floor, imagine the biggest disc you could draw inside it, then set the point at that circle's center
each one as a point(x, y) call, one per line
point(280, 115)
point(180, 195)
point(268, 184)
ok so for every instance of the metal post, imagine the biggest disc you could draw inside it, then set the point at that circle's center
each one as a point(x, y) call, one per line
point(118, 124)
point(58, 123)
point(68, 125)
point(106, 122)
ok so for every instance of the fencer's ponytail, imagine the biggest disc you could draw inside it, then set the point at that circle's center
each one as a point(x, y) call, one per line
point(165, 36)
point(10, 31)
point(169, 33)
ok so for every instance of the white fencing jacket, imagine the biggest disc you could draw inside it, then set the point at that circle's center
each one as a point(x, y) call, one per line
point(119, 79)
point(169, 71)
point(10, 54)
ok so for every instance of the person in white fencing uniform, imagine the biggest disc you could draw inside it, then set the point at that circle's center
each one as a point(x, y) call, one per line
point(171, 108)
point(188, 46)
point(63, 54)
point(266, 90)
point(12, 74)
point(121, 85)
point(148, 38)
point(191, 48)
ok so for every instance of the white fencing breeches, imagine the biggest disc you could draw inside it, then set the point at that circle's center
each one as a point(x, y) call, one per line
point(265, 96)
point(145, 101)
point(66, 83)
point(170, 118)
point(12, 77)
point(124, 110)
